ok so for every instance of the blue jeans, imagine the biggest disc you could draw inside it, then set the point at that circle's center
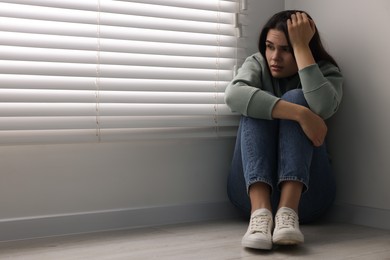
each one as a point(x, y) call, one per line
point(273, 151)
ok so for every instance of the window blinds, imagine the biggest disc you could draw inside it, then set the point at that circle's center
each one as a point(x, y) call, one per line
point(104, 70)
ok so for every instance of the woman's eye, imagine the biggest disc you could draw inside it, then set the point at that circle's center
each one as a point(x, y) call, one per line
point(269, 46)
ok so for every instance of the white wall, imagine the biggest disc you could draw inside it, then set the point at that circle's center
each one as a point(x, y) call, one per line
point(63, 179)
point(357, 34)
point(70, 185)
point(56, 189)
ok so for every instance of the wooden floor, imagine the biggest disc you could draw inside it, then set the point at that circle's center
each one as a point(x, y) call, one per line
point(206, 240)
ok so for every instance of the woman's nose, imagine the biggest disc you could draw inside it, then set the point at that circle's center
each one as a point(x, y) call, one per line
point(276, 55)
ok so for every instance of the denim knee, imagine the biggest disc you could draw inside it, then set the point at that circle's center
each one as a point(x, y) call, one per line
point(295, 96)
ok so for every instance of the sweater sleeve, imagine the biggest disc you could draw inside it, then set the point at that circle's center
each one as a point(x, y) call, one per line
point(322, 87)
point(249, 93)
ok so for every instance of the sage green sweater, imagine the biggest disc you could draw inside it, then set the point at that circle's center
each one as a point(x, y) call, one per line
point(254, 92)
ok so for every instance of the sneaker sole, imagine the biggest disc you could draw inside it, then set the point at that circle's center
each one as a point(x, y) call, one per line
point(259, 244)
point(288, 239)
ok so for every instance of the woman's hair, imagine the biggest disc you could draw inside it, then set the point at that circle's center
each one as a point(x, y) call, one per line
point(279, 22)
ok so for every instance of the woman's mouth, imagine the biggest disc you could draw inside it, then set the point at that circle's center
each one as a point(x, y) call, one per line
point(276, 68)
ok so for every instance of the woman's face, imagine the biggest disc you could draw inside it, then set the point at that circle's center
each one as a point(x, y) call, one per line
point(279, 55)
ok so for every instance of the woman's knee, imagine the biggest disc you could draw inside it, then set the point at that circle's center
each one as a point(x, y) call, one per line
point(295, 96)
point(248, 123)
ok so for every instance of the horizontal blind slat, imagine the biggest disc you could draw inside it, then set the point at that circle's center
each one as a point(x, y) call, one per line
point(108, 109)
point(84, 96)
point(162, 109)
point(167, 121)
point(137, 59)
point(115, 45)
point(89, 5)
point(18, 109)
point(116, 71)
point(9, 81)
point(111, 71)
point(213, 5)
point(164, 11)
point(117, 6)
point(113, 135)
point(113, 122)
point(47, 123)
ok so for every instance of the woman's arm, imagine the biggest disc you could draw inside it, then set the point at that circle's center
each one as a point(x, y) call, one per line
point(250, 93)
point(321, 83)
point(312, 125)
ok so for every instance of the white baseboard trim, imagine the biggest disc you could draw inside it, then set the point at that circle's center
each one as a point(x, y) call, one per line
point(358, 215)
point(87, 222)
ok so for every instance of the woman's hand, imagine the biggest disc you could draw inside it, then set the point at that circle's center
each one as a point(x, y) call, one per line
point(313, 126)
point(300, 30)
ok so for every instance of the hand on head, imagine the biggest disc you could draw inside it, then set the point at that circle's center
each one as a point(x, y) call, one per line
point(301, 29)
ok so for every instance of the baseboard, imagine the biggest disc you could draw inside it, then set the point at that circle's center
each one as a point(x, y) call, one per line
point(87, 222)
point(358, 215)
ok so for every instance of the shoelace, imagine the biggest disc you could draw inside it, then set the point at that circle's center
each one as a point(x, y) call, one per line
point(286, 220)
point(260, 224)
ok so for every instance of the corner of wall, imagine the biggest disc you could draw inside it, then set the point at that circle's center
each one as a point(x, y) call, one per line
point(358, 215)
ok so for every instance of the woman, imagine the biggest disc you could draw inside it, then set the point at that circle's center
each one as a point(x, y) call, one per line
point(280, 164)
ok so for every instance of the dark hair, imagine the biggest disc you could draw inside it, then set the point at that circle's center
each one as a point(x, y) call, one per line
point(279, 22)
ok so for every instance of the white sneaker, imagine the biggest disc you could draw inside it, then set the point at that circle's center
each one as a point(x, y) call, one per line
point(259, 234)
point(287, 228)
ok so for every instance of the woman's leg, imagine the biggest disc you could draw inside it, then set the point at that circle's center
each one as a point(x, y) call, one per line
point(294, 158)
point(295, 155)
point(252, 175)
point(303, 168)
